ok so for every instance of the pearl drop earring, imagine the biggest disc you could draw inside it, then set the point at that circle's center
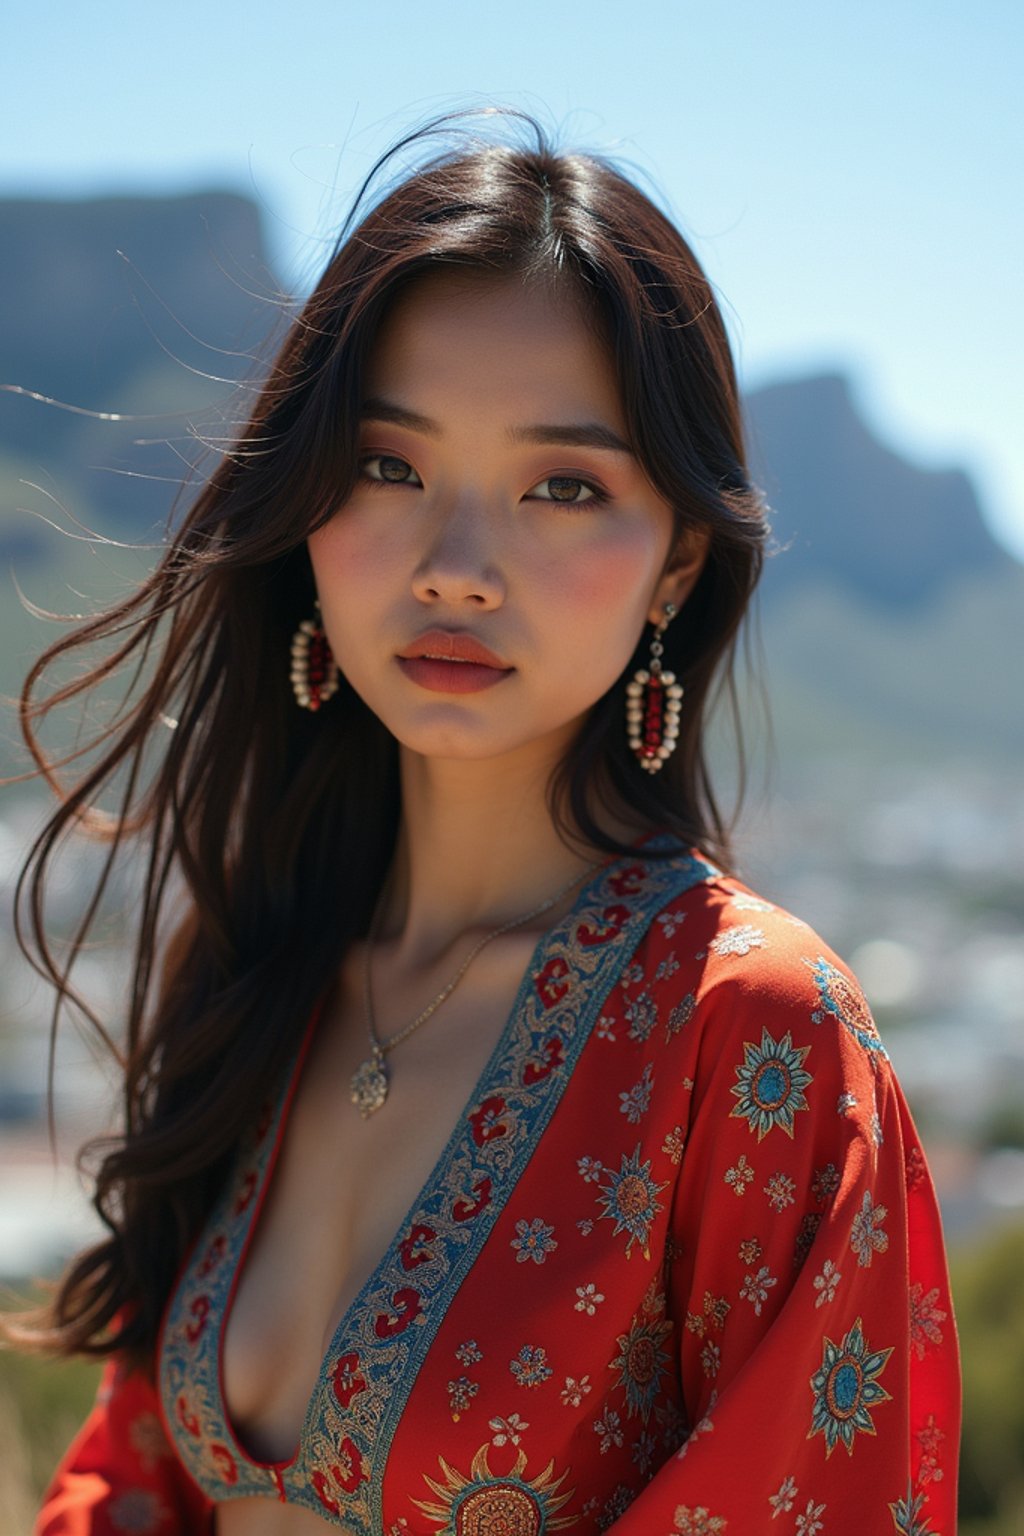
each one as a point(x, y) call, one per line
point(653, 699)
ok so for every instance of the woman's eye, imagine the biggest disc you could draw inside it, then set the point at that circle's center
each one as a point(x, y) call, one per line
point(393, 470)
point(566, 488)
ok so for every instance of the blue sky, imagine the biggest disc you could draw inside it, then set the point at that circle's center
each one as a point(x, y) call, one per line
point(848, 174)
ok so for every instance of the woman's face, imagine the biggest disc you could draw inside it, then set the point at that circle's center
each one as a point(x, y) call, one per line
point(467, 517)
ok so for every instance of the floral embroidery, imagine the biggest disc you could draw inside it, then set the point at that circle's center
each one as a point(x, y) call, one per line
point(846, 1387)
point(507, 1431)
point(635, 1104)
point(695, 1522)
point(770, 1084)
point(641, 1016)
point(643, 1452)
point(739, 1176)
point(534, 1241)
point(925, 1318)
point(347, 1380)
point(750, 1251)
point(670, 923)
point(756, 1287)
point(738, 941)
point(866, 1235)
point(710, 1358)
point(673, 1144)
point(826, 1283)
point(530, 1367)
point(460, 1394)
point(491, 1120)
point(930, 1440)
point(630, 1201)
point(604, 1029)
point(810, 1523)
point(716, 1309)
point(781, 1191)
point(574, 1391)
point(825, 1183)
point(667, 968)
point(608, 1428)
point(590, 1169)
point(588, 1299)
point(782, 1502)
point(469, 1353)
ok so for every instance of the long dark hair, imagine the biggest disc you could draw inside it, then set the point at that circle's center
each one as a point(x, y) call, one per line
point(268, 815)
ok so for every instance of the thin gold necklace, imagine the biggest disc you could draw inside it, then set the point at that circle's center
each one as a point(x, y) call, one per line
point(370, 1081)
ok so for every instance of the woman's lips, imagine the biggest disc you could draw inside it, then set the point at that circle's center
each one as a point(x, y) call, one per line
point(451, 676)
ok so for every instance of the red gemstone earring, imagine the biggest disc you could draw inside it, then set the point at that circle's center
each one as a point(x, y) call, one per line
point(653, 699)
point(314, 669)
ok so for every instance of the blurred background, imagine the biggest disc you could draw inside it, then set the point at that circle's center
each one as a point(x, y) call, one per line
point(170, 186)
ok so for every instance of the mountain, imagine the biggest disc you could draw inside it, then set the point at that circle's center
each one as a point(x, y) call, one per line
point(140, 305)
point(892, 620)
point(852, 512)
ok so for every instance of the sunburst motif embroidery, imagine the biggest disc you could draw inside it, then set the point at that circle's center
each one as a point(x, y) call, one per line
point(482, 1503)
point(630, 1201)
point(840, 998)
point(641, 1360)
point(770, 1084)
point(845, 1388)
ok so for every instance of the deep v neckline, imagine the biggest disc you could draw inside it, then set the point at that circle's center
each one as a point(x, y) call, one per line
point(385, 1333)
point(292, 1078)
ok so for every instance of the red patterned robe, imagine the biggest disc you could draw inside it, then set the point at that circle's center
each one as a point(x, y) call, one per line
point(678, 1272)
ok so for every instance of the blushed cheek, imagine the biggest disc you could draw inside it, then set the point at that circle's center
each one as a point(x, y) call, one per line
point(605, 584)
point(347, 559)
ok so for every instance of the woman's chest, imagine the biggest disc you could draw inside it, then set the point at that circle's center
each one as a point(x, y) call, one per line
point(340, 1188)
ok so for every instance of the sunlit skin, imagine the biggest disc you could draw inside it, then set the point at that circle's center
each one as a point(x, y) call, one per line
point(459, 526)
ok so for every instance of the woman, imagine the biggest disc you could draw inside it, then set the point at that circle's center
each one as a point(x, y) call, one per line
point(494, 1158)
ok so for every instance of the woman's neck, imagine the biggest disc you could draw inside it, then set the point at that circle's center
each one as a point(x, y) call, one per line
point(477, 848)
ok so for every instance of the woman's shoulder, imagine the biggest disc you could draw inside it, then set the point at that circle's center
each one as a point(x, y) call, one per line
point(743, 962)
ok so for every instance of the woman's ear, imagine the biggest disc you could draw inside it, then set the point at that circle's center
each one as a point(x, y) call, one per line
point(681, 573)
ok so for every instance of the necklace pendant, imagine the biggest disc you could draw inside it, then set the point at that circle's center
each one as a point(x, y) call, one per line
point(370, 1084)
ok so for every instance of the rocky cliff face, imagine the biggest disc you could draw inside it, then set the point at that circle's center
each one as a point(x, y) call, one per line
point(852, 511)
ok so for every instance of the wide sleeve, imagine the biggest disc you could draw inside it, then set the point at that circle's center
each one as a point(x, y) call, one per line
point(817, 1349)
point(120, 1474)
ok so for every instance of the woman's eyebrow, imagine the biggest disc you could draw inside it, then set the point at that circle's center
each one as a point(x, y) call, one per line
point(590, 434)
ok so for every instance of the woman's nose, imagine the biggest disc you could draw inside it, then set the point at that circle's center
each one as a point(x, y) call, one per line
point(461, 560)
